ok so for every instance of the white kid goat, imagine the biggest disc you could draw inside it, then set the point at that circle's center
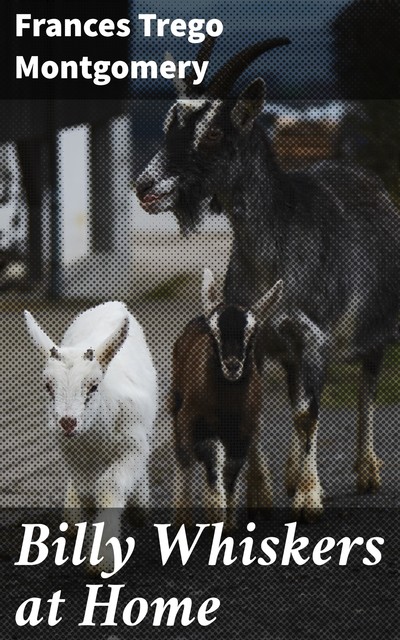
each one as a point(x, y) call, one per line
point(103, 390)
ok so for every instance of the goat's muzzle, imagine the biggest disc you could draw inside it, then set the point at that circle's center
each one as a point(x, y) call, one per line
point(232, 368)
point(155, 196)
point(144, 186)
point(69, 425)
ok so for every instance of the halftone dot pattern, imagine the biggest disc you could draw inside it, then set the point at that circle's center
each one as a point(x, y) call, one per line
point(302, 374)
point(330, 56)
point(159, 276)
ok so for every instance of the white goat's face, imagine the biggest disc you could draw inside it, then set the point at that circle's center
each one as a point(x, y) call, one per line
point(73, 376)
point(72, 379)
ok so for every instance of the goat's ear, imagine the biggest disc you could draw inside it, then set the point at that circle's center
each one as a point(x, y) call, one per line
point(208, 292)
point(249, 105)
point(266, 305)
point(179, 83)
point(215, 205)
point(40, 338)
point(106, 352)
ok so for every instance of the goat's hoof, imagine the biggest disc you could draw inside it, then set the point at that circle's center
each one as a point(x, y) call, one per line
point(307, 505)
point(215, 505)
point(369, 475)
point(259, 505)
point(308, 515)
point(95, 570)
point(292, 477)
point(259, 497)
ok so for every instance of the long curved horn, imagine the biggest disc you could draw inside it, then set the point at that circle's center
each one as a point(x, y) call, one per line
point(225, 78)
point(204, 54)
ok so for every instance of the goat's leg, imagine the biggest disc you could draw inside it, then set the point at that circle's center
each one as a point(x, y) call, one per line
point(307, 383)
point(233, 466)
point(182, 498)
point(300, 404)
point(214, 497)
point(72, 508)
point(368, 464)
point(183, 494)
point(306, 346)
point(109, 514)
point(111, 492)
point(141, 501)
point(142, 493)
point(307, 501)
point(259, 494)
point(293, 464)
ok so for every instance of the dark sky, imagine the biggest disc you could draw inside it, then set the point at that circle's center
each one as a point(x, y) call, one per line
point(307, 61)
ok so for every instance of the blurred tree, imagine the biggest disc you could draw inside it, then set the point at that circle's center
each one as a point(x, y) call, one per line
point(367, 64)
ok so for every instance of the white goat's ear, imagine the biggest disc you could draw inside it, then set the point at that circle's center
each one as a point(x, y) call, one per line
point(208, 292)
point(249, 105)
point(110, 347)
point(40, 338)
point(266, 305)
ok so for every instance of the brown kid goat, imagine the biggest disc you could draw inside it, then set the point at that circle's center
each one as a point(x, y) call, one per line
point(216, 405)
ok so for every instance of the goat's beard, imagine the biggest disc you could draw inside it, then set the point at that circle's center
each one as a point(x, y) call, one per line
point(191, 207)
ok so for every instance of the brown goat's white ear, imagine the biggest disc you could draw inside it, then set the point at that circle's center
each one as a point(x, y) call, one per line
point(208, 292)
point(110, 347)
point(267, 304)
point(40, 338)
point(249, 105)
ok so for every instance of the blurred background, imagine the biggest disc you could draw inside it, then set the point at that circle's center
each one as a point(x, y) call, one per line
point(66, 192)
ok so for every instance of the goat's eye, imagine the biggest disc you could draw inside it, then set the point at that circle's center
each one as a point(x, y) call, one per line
point(93, 388)
point(214, 134)
point(49, 389)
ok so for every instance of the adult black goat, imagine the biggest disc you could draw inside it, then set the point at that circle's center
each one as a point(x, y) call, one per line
point(331, 234)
